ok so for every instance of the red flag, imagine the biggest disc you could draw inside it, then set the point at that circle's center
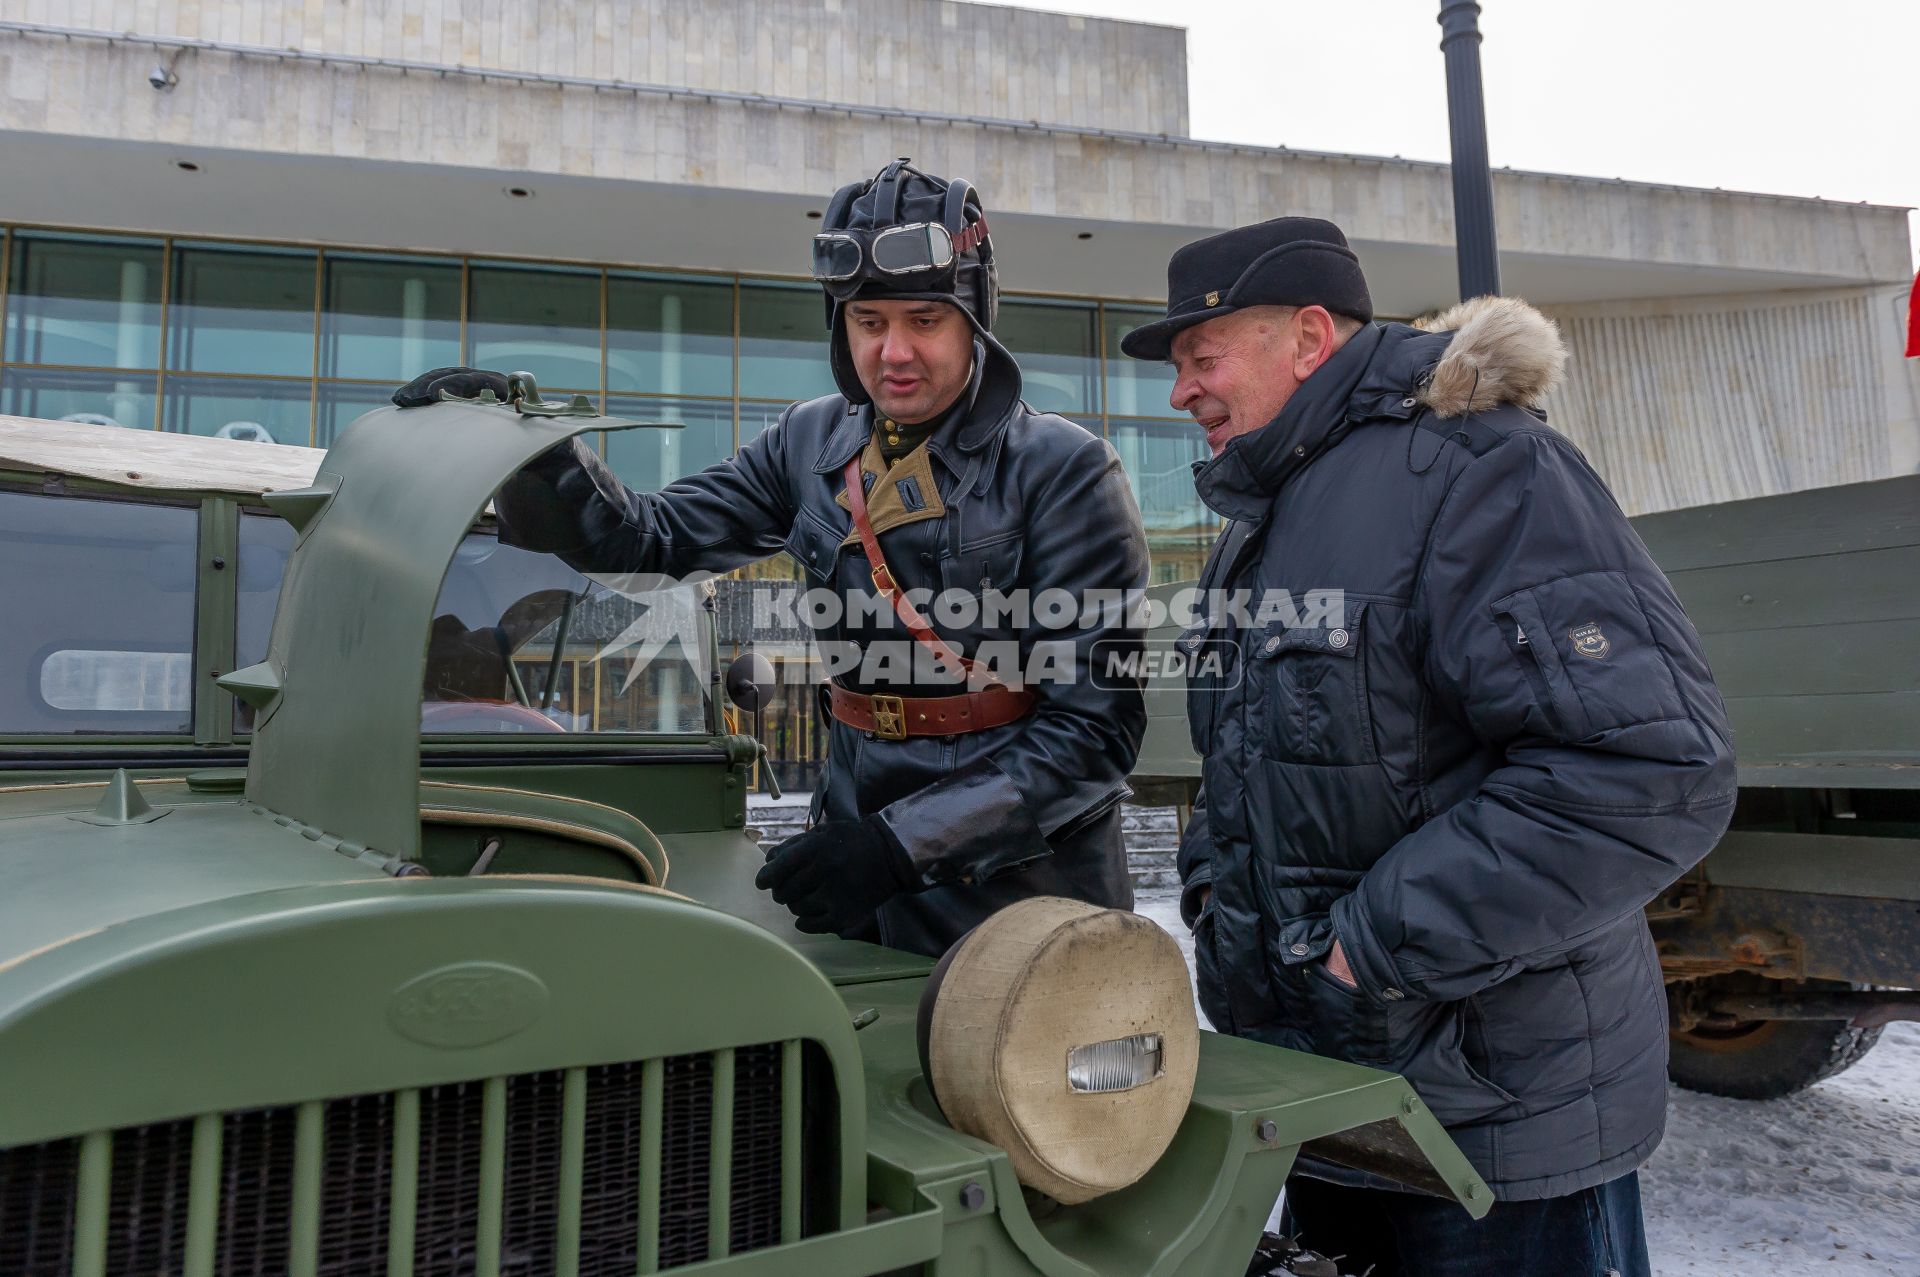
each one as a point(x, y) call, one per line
point(1913, 321)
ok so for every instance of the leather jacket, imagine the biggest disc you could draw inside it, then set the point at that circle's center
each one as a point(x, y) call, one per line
point(1029, 501)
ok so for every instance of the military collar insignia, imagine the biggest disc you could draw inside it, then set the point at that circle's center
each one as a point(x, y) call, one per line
point(905, 493)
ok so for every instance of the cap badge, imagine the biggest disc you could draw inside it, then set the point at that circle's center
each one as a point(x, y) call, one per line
point(1213, 299)
point(1590, 640)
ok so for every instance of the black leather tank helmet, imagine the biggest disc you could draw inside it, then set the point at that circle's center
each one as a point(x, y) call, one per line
point(904, 235)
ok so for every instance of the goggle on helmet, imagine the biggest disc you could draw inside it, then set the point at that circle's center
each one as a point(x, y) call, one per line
point(906, 233)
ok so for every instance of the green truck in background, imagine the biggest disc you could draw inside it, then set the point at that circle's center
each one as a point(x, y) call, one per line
point(1790, 947)
point(287, 987)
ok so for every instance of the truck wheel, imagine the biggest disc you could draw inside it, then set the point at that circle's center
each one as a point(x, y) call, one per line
point(1766, 1059)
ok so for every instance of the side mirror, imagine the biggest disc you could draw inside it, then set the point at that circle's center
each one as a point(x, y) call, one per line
point(750, 682)
point(750, 685)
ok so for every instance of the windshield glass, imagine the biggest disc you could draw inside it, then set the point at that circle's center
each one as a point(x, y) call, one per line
point(522, 643)
point(630, 659)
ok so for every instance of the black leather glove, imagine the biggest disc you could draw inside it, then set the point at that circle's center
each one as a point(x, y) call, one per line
point(464, 382)
point(835, 875)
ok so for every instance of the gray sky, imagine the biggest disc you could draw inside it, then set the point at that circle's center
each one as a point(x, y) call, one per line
point(1762, 95)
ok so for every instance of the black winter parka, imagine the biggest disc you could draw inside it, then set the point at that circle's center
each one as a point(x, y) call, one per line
point(1032, 502)
point(1474, 772)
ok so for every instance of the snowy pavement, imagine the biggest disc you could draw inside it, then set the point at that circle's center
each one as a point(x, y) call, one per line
point(1825, 1182)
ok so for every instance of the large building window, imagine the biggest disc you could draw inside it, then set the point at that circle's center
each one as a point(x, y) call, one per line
point(389, 319)
point(649, 459)
point(244, 311)
point(104, 397)
point(293, 345)
point(343, 403)
point(783, 343)
point(87, 302)
point(258, 411)
point(545, 321)
point(669, 336)
point(88, 336)
point(1158, 457)
point(1135, 388)
point(1059, 355)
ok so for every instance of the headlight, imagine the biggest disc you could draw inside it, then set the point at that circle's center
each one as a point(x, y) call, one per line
point(1119, 1065)
point(1065, 1034)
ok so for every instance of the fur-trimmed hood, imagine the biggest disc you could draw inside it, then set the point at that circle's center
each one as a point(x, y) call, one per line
point(1503, 351)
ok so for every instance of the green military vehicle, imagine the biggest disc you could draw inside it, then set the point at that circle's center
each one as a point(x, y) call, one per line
point(288, 987)
point(1798, 938)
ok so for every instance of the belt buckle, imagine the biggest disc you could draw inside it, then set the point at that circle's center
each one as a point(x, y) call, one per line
point(889, 718)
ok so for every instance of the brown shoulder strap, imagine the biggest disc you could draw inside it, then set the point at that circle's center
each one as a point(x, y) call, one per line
point(916, 624)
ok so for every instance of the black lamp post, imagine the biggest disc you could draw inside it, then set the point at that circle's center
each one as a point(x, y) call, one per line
point(1472, 178)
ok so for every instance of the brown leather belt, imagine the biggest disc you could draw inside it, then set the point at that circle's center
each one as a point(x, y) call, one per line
point(898, 717)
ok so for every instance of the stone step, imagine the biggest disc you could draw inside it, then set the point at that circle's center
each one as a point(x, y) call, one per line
point(1144, 818)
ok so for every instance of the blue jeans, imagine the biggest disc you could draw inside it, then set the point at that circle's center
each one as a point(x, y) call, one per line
point(1596, 1232)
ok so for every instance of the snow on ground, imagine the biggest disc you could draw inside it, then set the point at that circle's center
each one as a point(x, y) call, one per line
point(1826, 1182)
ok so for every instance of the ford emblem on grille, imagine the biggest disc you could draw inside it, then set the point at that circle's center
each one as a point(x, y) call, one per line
point(467, 1004)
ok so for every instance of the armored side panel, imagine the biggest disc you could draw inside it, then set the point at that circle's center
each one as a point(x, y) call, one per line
point(1809, 609)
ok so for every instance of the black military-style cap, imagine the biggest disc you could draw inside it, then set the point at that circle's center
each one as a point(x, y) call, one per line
point(1289, 261)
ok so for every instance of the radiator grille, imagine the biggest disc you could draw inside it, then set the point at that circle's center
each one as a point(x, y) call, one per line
point(38, 1187)
point(147, 1211)
point(145, 1223)
point(683, 1197)
point(756, 1150)
point(533, 1174)
point(256, 1190)
point(356, 1186)
point(447, 1222)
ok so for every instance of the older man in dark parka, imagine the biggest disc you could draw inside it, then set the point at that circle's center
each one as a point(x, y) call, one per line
point(1431, 814)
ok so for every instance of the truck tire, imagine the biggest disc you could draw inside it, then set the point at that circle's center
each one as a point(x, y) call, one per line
point(1767, 1059)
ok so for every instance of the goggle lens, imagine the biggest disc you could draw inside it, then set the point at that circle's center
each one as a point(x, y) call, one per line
point(835, 257)
point(906, 250)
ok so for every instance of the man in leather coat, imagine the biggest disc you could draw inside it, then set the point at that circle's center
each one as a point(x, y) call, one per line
point(945, 796)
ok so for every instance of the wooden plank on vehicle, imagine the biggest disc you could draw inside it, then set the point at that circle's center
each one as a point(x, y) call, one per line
point(154, 459)
point(1866, 729)
point(1818, 660)
point(1856, 516)
point(1869, 585)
